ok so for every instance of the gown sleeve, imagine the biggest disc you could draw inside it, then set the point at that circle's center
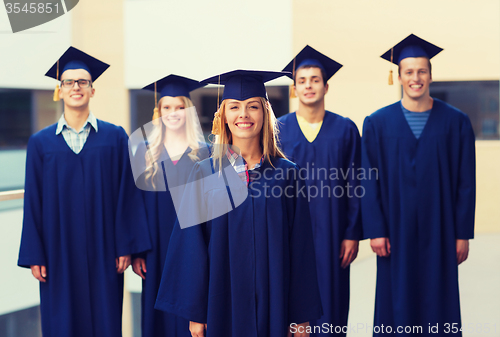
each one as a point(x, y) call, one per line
point(304, 298)
point(354, 230)
point(374, 222)
point(138, 163)
point(183, 289)
point(131, 231)
point(32, 249)
point(466, 191)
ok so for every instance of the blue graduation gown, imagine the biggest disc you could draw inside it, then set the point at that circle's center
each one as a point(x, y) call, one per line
point(337, 151)
point(81, 211)
point(423, 200)
point(251, 271)
point(161, 215)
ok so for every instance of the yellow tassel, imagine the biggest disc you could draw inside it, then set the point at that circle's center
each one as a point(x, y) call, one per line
point(156, 115)
point(56, 91)
point(56, 94)
point(216, 124)
point(391, 82)
point(293, 94)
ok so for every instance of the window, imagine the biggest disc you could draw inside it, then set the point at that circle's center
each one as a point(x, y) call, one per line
point(15, 118)
point(136, 314)
point(22, 113)
point(478, 99)
point(21, 323)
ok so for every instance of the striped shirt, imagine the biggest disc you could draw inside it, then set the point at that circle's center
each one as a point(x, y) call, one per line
point(76, 139)
point(416, 120)
point(241, 167)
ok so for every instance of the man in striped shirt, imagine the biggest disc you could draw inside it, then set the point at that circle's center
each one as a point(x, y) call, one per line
point(419, 210)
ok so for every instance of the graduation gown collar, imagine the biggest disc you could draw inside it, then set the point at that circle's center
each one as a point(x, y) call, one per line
point(405, 131)
point(323, 122)
point(165, 156)
point(88, 143)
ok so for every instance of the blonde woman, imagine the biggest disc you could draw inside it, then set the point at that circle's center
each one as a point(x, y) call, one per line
point(174, 144)
point(251, 270)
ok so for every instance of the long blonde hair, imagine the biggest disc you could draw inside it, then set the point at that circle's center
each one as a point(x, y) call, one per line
point(156, 147)
point(268, 134)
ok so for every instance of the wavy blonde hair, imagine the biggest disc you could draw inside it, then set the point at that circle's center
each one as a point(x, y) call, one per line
point(268, 134)
point(156, 147)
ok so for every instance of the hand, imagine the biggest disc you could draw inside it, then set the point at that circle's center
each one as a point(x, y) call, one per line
point(462, 250)
point(39, 272)
point(348, 252)
point(381, 246)
point(139, 266)
point(122, 263)
point(197, 329)
point(298, 328)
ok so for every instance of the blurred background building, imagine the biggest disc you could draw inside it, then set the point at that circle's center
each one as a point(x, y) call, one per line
point(149, 39)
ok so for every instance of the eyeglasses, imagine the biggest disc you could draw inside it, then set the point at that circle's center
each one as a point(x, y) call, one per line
point(82, 83)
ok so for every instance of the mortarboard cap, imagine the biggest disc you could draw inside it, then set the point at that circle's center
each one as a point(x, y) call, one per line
point(76, 59)
point(244, 84)
point(173, 85)
point(309, 56)
point(411, 46)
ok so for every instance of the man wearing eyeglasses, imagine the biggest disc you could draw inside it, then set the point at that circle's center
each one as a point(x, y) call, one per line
point(76, 91)
point(83, 215)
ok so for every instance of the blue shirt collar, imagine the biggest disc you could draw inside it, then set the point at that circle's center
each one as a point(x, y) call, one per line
point(62, 123)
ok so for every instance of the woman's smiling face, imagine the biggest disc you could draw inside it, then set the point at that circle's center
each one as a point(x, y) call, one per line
point(172, 112)
point(244, 118)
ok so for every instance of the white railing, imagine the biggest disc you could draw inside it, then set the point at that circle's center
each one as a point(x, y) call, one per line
point(11, 195)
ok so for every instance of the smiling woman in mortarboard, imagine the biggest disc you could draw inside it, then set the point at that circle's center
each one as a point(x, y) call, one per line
point(242, 263)
point(174, 143)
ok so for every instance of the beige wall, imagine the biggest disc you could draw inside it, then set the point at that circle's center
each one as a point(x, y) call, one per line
point(199, 38)
point(356, 33)
point(488, 186)
point(47, 111)
point(26, 56)
point(97, 29)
